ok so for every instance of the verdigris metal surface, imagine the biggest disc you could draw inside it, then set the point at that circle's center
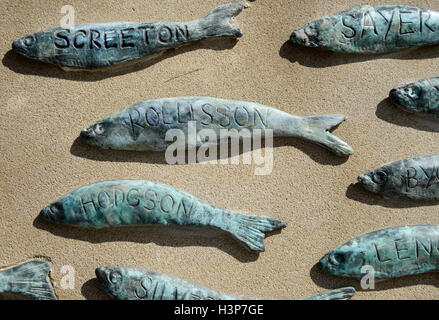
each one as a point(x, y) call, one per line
point(338, 294)
point(414, 178)
point(392, 252)
point(371, 29)
point(143, 126)
point(140, 202)
point(30, 279)
point(137, 284)
point(421, 97)
point(91, 46)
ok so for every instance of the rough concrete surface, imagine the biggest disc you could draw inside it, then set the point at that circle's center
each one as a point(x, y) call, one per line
point(43, 109)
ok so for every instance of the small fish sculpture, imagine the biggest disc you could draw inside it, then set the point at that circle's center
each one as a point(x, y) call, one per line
point(137, 284)
point(91, 46)
point(414, 179)
point(393, 252)
point(367, 29)
point(143, 126)
point(30, 279)
point(420, 97)
point(140, 202)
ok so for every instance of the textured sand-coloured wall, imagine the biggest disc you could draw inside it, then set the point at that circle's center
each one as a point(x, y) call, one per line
point(43, 109)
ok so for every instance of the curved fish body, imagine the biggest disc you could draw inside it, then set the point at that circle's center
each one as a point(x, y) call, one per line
point(371, 29)
point(144, 126)
point(420, 97)
point(91, 46)
point(30, 279)
point(414, 179)
point(140, 202)
point(392, 253)
point(137, 284)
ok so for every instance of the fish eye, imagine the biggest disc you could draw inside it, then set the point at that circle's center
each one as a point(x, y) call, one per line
point(337, 258)
point(379, 177)
point(29, 40)
point(115, 277)
point(99, 129)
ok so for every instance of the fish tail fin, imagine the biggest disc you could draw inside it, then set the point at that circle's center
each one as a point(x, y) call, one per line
point(31, 279)
point(338, 294)
point(250, 230)
point(316, 129)
point(217, 22)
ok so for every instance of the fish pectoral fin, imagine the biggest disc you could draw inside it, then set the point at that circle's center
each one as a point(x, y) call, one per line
point(31, 279)
point(218, 22)
point(316, 129)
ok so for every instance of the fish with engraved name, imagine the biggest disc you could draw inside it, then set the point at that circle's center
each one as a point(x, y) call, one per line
point(29, 279)
point(140, 202)
point(420, 97)
point(137, 284)
point(414, 179)
point(393, 252)
point(90, 46)
point(371, 29)
point(144, 126)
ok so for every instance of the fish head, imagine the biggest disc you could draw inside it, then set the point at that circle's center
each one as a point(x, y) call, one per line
point(345, 261)
point(99, 134)
point(111, 279)
point(408, 97)
point(376, 181)
point(54, 213)
point(27, 46)
point(125, 283)
point(307, 36)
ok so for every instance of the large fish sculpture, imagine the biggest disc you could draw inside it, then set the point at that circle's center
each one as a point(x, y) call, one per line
point(137, 284)
point(393, 252)
point(143, 126)
point(91, 46)
point(420, 97)
point(367, 29)
point(140, 202)
point(414, 179)
point(29, 279)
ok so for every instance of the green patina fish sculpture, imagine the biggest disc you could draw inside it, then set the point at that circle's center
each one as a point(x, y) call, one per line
point(143, 126)
point(414, 179)
point(420, 97)
point(393, 252)
point(140, 202)
point(371, 29)
point(91, 46)
point(29, 279)
point(137, 284)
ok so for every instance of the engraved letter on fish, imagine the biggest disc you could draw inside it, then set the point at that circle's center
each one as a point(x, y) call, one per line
point(393, 252)
point(143, 126)
point(138, 284)
point(368, 29)
point(414, 179)
point(140, 202)
point(91, 46)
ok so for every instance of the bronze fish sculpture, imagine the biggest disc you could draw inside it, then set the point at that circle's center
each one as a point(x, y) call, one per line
point(141, 202)
point(414, 179)
point(393, 252)
point(371, 29)
point(91, 46)
point(137, 284)
point(143, 126)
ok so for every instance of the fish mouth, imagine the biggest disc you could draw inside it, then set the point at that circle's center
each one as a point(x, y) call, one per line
point(102, 276)
point(87, 133)
point(18, 47)
point(47, 214)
